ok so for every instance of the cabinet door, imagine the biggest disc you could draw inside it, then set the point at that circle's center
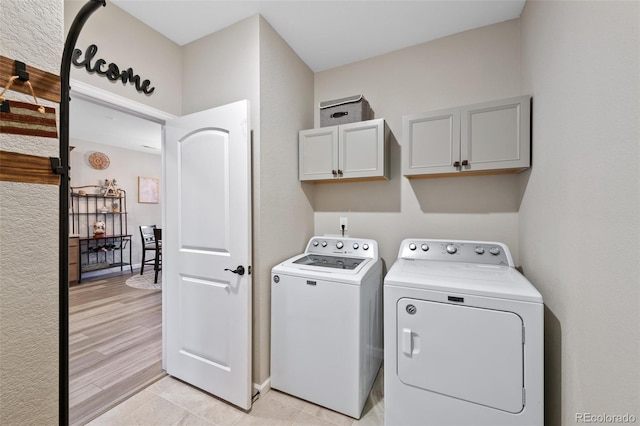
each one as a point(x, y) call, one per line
point(318, 153)
point(431, 142)
point(362, 149)
point(496, 135)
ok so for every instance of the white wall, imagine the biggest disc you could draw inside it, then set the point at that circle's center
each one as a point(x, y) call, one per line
point(29, 252)
point(125, 166)
point(474, 66)
point(579, 220)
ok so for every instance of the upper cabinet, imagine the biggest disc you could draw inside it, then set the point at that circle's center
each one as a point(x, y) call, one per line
point(347, 151)
point(491, 137)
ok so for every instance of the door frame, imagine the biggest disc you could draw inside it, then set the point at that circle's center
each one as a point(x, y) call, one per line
point(89, 93)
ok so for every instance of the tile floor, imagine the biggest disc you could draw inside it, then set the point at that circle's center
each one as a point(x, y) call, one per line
point(172, 402)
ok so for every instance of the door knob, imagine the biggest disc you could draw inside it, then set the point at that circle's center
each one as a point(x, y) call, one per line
point(239, 270)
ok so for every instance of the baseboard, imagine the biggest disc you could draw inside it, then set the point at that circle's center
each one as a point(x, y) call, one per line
point(261, 389)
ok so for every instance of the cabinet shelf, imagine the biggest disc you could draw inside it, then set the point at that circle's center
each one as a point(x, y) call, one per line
point(346, 152)
point(103, 213)
point(487, 138)
point(103, 237)
point(100, 251)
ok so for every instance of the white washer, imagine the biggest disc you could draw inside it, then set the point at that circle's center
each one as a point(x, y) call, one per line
point(326, 323)
point(463, 337)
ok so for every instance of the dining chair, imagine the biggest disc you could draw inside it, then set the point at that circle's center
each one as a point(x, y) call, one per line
point(148, 244)
point(157, 233)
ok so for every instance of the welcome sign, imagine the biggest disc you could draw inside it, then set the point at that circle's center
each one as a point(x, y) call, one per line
point(111, 71)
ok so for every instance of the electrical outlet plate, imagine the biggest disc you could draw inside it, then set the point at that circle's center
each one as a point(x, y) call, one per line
point(343, 221)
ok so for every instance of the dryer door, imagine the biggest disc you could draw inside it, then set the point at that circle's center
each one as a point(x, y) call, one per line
point(473, 354)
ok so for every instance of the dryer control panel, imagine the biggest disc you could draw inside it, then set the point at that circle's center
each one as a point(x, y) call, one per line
point(482, 252)
point(360, 247)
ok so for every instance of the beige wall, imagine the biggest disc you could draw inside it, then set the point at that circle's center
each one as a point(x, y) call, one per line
point(283, 215)
point(248, 60)
point(571, 221)
point(222, 68)
point(579, 221)
point(474, 66)
point(129, 43)
point(125, 166)
point(29, 237)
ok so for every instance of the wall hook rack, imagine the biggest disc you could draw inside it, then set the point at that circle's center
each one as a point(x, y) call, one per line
point(45, 84)
point(56, 167)
point(21, 71)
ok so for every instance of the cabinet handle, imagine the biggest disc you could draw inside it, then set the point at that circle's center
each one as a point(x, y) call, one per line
point(456, 164)
point(340, 172)
point(465, 162)
point(333, 172)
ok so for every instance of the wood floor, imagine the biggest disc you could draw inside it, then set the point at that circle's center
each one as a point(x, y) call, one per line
point(115, 344)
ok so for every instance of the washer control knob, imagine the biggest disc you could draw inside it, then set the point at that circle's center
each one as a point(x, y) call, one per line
point(451, 249)
point(339, 244)
point(424, 247)
point(494, 251)
point(480, 250)
point(412, 246)
point(356, 246)
point(324, 244)
point(365, 246)
point(315, 243)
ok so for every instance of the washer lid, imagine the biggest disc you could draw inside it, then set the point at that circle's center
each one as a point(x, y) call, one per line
point(497, 281)
point(301, 267)
point(324, 261)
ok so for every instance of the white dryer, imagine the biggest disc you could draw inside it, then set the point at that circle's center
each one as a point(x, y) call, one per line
point(326, 323)
point(463, 337)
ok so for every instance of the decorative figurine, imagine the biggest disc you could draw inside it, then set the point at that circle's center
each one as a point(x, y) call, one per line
point(110, 189)
point(99, 228)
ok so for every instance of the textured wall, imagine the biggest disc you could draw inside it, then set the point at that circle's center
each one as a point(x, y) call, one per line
point(474, 66)
point(32, 31)
point(580, 216)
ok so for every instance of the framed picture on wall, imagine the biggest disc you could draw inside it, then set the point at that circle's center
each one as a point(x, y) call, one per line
point(148, 190)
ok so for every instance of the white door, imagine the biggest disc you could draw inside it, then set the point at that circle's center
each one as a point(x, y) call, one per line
point(206, 244)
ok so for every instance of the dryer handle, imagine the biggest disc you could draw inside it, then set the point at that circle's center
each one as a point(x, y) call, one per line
point(407, 341)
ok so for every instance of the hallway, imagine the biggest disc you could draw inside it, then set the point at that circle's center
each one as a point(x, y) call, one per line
point(115, 343)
